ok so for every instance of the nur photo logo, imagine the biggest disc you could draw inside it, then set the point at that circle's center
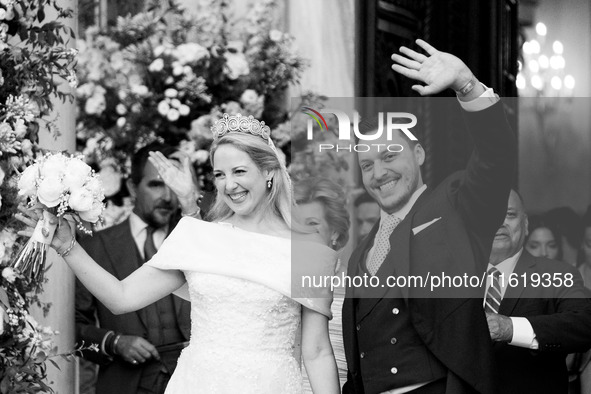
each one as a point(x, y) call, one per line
point(388, 122)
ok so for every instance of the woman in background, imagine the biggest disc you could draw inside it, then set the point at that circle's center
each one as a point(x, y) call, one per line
point(322, 205)
point(543, 239)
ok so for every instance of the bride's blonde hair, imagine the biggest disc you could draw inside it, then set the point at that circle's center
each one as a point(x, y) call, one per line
point(279, 199)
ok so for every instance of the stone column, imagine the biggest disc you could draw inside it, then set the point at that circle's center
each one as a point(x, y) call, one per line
point(59, 291)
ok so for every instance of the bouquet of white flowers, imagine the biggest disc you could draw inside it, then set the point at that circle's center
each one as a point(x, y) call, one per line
point(59, 185)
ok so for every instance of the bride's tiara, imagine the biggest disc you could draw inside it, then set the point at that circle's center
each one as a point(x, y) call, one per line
point(240, 124)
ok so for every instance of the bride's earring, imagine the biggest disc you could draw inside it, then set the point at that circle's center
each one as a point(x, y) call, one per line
point(269, 183)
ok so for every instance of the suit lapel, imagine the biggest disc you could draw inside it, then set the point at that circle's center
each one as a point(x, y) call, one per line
point(525, 264)
point(124, 255)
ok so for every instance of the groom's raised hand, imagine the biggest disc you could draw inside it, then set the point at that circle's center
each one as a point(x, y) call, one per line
point(436, 70)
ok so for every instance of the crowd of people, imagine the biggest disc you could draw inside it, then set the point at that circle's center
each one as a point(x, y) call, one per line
point(249, 328)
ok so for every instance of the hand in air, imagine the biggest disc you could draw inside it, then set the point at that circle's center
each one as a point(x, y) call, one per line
point(179, 178)
point(437, 70)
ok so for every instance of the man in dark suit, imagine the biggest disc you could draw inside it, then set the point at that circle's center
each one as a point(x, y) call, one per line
point(138, 350)
point(402, 339)
point(538, 311)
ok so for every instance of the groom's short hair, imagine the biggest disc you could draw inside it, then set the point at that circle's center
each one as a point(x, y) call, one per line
point(140, 158)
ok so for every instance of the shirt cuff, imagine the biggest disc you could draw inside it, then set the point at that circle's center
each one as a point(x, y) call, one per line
point(523, 334)
point(482, 102)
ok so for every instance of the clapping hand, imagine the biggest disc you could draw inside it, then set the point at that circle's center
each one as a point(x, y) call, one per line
point(179, 178)
point(437, 70)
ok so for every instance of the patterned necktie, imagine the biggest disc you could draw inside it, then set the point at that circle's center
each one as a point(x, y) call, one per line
point(382, 244)
point(149, 246)
point(493, 294)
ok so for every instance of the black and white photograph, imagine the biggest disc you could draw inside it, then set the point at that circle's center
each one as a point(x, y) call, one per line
point(295, 197)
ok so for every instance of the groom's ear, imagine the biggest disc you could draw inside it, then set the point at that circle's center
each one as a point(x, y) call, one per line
point(131, 188)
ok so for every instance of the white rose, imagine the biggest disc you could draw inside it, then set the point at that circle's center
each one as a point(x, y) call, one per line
point(184, 110)
point(2, 174)
point(9, 274)
point(159, 50)
point(169, 80)
point(136, 108)
point(140, 90)
point(171, 93)
point(27, 181)
point(236, 65)
point(187, 70)
point(94, 184)
point(50, 191)
point(27, 147)
point(201, 128)
point(96, 104)
point(92, 215)
point(2, 252)
point(76, 175)
point(177, 70)
point(173, 115)
point(110, 178)
point(201, 156)
point(275, 35)
point(175, 103)
point(163, 108)
point(157, 65)
point(190, 53)
point(121, 109)
point(20, 128)
point(121, 122)
point(54, 165)
point(249, 96)
point(2, 14)
point(81, 200)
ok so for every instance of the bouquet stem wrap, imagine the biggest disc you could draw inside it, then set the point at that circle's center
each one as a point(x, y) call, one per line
point(31, 259)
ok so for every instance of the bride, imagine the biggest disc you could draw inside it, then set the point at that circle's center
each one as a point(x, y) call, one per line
point(240, 273)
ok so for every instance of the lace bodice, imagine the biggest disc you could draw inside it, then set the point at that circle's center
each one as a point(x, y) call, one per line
point(242, 339)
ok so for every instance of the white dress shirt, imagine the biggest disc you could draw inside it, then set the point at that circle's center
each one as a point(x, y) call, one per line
point(139, 230)
point(485, 100)
point(523, 332)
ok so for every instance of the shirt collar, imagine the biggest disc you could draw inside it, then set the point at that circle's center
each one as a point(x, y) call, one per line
point(507, 266)
point(401, 214)
point(137, 226)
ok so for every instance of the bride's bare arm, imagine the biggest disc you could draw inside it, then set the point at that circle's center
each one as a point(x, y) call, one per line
point(317, 353)
point(143, 287)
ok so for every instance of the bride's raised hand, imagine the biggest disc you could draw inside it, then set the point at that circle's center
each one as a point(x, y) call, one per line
point(178, 177)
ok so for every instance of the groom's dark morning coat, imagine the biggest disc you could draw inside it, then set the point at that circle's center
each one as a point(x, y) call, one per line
point(115, 250)
point(405, 336)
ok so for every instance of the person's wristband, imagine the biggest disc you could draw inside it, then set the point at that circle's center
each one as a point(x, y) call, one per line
point(106, 338)
point(468, 87)
point(69, 249)
point(114, 344)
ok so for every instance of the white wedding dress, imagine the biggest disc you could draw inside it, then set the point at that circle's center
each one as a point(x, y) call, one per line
point(242, 339)
point(244, 326)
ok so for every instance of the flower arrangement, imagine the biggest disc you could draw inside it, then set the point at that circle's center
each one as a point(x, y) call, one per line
point(35, 65)
point(58, 185)
point(26, 345)
point(164, 75)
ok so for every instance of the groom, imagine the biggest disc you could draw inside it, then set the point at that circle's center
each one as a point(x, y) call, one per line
point(397, 342)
